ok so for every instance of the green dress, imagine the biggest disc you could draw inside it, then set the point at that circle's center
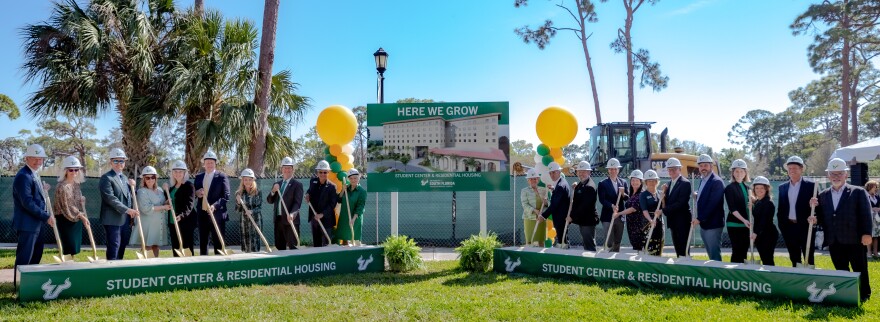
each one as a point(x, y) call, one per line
point(67, 207)
point(357, 199)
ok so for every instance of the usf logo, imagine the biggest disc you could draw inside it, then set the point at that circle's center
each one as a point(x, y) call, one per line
point(362, 264)
point(818, 295)
point(52, 291)
point(511, 265)
point(425, 181)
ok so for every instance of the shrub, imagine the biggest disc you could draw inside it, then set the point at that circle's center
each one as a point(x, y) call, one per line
point(402, 253)
point(476, 252)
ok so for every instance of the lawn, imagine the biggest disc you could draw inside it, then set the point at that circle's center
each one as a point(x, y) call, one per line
point(440, 292)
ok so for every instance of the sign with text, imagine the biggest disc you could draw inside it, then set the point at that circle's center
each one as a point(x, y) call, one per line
point(462, 146)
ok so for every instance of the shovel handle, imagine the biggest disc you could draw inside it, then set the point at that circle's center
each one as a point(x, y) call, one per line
point(319, 222)
point(290, 220)
point(254, 223)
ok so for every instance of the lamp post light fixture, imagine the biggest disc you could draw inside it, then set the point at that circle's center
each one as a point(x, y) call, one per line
point(381, 62)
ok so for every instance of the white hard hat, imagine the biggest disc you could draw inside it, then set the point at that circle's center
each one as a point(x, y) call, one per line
point(739, 164)
point(795, 159)
point(584, 165)
point(532, 173)
point(837, 164)
point(247, 173)
point(287, 161)
point(613, 163)
point(71, 162)
point(148, 170)
point(672, 163)
point(117, 153)
point(353, 172)
point(178, 165)
point(323, 165)
point(36, 151)
point(704, 158)
point(651, 175)
point(762, 180)
point(637, 174)
point(209, 155)
point(554, 166)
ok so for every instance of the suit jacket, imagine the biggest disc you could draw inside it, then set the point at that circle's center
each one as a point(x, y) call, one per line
point(184, 205)
point(710, 203)
point(607, 196)
point(676, 205)
point(559, 200)
point(323, 198)
point(217, 194)
point(29, 202)
point(763, 212)
point(116, 199)
point(583, 208)
point(850, 221)
point(736, 201)
point(292, 194)
point(801, 205)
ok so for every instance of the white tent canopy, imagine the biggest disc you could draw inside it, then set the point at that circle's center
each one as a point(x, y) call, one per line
point(860, 152)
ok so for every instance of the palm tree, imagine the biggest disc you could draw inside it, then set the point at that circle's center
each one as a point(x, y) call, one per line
point(257, 153)
point(87, 60)
point(8, 106)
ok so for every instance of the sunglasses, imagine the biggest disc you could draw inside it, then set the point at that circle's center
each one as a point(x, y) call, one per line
point(149, 178)
point(72, 170)
point(118, 161)
point(323, 172)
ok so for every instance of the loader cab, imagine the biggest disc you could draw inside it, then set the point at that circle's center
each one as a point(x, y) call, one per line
point(629, 142)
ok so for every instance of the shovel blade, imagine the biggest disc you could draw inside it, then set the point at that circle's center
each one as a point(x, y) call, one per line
point(142, 255)
point(92, 259)
point(179, 253)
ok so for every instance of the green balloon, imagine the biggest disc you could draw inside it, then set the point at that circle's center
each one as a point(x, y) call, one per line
point(336, 167)
point(340, 176)
point(327, 150)
point(330, 158)
point(547, 159)
point(543, 149)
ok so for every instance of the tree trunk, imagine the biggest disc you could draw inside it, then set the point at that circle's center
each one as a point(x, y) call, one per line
point(194, 152)
point(257, 155)
point(854, 105)
point(136, 147)
point(589, 65)
point(630, 69)
point(200, 7)
point(845, 85)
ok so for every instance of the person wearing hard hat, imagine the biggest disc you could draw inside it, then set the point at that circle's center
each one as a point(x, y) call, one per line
point(764, 232)
point(183, 199)
point(352, 202)
point(533, 200)
point(609, 189)
point(322, 199)
point(710, 207)
point(648, 201)
point(738, 222)
point(69, 206)
point(794, 208)
point(154, 207)
point(291, 191)
point(845, 216)
point(212, 189)
point(29, 207)
point(117, 205)
point(636, 222)
point(676, 206)
point(560, 201)
point(249, 194)
point(583, 207)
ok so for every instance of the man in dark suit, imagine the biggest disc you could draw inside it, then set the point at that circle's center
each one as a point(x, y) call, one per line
point(291, 191)
point(323, 199)
point(212, 189)
point(608, 191)
point(677, 207)
point(29, 212)
point(560, 200)
point(583, 206)
point(116, 205)
point(844, 213)
point(710, 207)
point(794, 208)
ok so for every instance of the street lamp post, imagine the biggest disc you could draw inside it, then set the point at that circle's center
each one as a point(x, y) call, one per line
point(381, 62)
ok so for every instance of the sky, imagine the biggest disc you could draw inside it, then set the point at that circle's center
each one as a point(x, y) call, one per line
point(723, 58)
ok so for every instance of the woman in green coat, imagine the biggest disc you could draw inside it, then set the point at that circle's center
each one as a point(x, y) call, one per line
point(352, 201)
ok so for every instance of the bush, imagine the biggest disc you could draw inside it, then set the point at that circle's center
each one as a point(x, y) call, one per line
point(380, 169)
point(475, 253)
point(402, 253)
point(425, 162)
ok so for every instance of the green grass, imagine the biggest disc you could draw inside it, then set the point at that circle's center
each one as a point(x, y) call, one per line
point(441, 292)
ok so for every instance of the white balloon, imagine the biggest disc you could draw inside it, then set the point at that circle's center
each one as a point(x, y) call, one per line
point(545, 178)
point(538, 160)
point(348, 149)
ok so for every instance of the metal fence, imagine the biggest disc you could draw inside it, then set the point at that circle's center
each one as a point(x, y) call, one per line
point(435, 219)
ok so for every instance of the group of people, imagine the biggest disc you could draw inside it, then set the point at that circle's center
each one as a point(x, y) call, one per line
point(847, 214)
point(189, 203)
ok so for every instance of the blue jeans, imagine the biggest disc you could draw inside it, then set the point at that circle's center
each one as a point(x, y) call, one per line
point(712, 239)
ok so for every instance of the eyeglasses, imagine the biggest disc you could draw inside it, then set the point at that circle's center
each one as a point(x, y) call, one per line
point(149, 178)
point(323, 172)
point(118, 161)
point(72, 170)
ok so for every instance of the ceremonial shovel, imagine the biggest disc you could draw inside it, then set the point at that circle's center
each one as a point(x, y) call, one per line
point(88, 226)
point(329, 241)
point(564, 245)
point(223, 250)
point(535, 230)
point(350, 221)
point(60, 258)
point(654, 222)
point(694, 214)
point(254, 222)
point(182, 252)
point(290, 220)
point(141, 254)
point(804, 263)
point(611, 225)
point(752, 260)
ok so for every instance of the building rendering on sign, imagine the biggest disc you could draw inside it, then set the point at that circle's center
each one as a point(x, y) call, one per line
point(463, 144)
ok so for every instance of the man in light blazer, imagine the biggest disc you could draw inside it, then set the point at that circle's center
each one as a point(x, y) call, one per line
point(30, 212)
point(116, 205)
point(291, 191)
point(794, 208)
point(212, 191)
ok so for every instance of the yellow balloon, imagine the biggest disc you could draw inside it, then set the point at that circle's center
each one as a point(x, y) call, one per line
point(343, 158)
point(347, 166)
point(559, 160)
point(556, 126)
point(335, 149)
point(554, 152)
point(336, 125)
